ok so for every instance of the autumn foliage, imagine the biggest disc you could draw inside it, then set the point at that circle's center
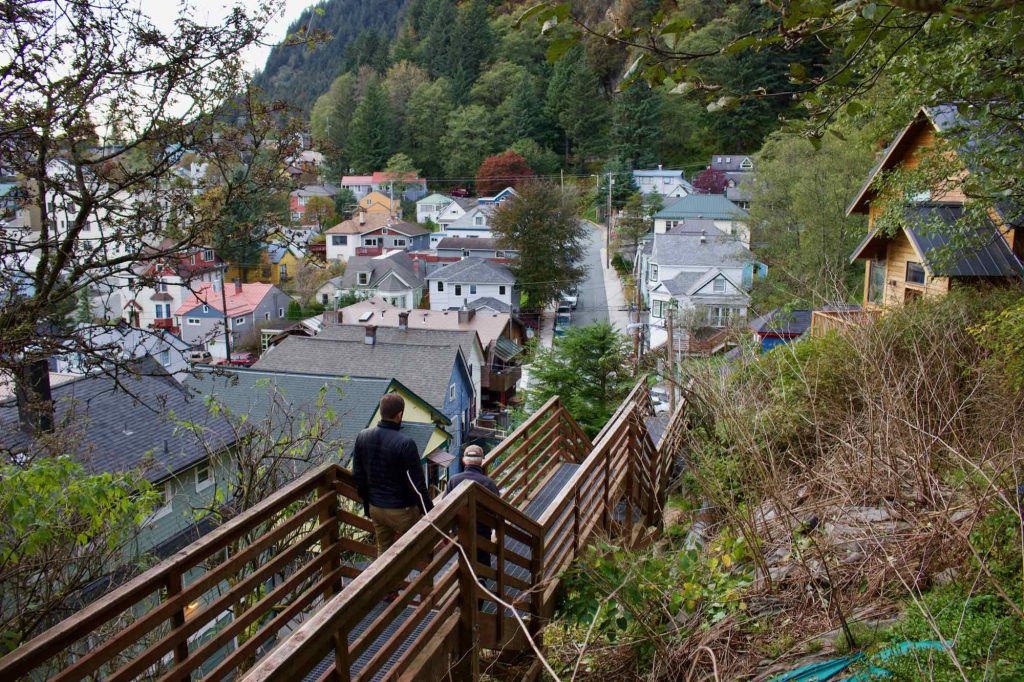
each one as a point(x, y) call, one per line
point(711, 181)
point(499, 171)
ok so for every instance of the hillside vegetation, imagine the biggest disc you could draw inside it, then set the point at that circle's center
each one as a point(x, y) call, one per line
point(843, 493)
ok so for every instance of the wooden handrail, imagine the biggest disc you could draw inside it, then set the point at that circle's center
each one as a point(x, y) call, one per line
point(437, 609)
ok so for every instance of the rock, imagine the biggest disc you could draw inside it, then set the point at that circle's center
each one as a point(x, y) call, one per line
point(946, 576)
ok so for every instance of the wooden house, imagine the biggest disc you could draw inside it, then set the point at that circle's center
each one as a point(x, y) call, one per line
point(930, 254)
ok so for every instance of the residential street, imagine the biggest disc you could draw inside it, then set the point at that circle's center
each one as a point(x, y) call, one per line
point(593, 302)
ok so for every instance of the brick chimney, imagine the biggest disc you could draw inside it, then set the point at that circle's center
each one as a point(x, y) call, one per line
point(362, 217)
point(403, 320)
point(238, 286)
point(465, 314)
point(371, 335)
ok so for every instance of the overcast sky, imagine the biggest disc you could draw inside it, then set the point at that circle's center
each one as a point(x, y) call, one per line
point(163, 13)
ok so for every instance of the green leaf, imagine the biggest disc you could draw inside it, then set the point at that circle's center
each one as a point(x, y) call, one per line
point(559, 47)
point(677, 26)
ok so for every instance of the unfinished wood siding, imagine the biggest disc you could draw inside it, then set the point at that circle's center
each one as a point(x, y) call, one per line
point(898, 252)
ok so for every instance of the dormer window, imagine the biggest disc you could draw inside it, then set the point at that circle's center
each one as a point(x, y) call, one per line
point(363, 278)
point(654, 272)
point(746, 165)
point(208, 255)
point(718, 286)
point(478, 220)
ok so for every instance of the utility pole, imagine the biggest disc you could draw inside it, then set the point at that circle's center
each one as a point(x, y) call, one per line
point(608, 222)
point(224, 303)
point(671, 363)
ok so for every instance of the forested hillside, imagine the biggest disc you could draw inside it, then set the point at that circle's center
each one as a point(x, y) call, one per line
point(357, 27)
point(459, 82)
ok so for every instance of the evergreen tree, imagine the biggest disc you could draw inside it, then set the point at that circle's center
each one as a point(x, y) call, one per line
point(469, 139)
point(437, 41)
point(623, 185)
point(426, 120)
point(636, 115)
point(372, 131)
point(575, 103)
point(330, 120)
point(470, 47)
point(524, 113)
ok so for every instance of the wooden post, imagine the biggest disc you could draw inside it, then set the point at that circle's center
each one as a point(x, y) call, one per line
point(342, 664)
point(468, 665)
point(671, 364)
point(607, 491)
point(330, 515)
point(538, 566)
point(174, 587)
point(576, 523)
point(499, 610)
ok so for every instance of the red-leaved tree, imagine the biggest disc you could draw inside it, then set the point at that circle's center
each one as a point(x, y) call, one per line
point(499, 171)
point(711, 181)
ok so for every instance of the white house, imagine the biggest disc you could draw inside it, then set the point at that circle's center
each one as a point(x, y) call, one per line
point(664, 181)
point(453, 211)
point(710, 209)
point(469, 279)
point(431, 207)
point(706, 275)
point(394, 277)
point(475, 223)
point(122, 342)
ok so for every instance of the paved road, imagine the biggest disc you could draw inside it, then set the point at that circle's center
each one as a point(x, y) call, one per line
point(593, 302)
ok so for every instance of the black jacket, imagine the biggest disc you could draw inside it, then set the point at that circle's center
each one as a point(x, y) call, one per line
point(477, 475)
point(380, 461)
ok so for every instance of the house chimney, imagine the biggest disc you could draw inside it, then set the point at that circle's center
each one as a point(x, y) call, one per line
point(703, 236)
point(35, 402)
point(659, 166)
point(371, 335)
point(403, 320)
point(362, 218)
point(416, 266)
point(339, 317)
point(465, 314)
point(238, 286)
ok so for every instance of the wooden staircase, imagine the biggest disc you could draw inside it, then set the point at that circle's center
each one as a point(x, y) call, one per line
point(293, 590)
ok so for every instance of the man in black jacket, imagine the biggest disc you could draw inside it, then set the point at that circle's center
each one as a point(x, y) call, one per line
point(383, 461)
point(473, 470)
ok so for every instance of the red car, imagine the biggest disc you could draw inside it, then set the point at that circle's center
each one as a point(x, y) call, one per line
point(242, 359)
point(460, 192)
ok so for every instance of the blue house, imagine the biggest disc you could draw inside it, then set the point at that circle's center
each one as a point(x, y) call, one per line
point(438, 372)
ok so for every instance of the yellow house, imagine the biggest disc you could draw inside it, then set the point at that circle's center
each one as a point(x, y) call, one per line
point(921, 259)
point(278, 264)
point(378, 202)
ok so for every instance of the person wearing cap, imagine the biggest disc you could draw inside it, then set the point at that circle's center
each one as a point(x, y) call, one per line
point(473, 470)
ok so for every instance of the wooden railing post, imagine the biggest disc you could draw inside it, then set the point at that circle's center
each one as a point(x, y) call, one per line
point(342, 664)
point(467, 665)
point(328, 487)
point(538, 570)
point(499, 610)
point(576, 523)
point(174, 587)
point(607, 512)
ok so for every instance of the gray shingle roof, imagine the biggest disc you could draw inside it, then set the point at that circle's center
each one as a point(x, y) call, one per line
point(484, 243)
point(681, 283)
point(712, 206)
point(730, 162)
point(490, 302)
point(413, 336)
point(136, 426)
point(425, 370)
point(258, 395)
point(474, 271)
point(686, 250)
point(786, 323)
point(397, 262)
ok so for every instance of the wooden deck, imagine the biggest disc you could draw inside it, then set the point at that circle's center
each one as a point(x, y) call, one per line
point(293, 589)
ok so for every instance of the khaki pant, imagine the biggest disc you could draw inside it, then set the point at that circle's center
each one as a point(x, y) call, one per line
point(391, 524)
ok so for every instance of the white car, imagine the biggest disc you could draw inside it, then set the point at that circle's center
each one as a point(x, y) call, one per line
point(571, 297)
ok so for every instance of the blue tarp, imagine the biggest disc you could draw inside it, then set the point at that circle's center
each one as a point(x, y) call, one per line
point(828, 670)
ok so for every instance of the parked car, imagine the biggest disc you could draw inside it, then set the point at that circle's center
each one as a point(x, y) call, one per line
point(571, 297)
point(460, 192)
point(197, 357)
point(563, 320)
point(242, 359)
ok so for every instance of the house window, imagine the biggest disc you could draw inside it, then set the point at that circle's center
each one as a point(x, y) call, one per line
point(323, 299)
point(458, 290)
point(499, 254)
point(478, 220)
point(440, 286)
point(370, 241)
point(193, 259)
point(339, 240)
point(165, 357)
point(400, 242)
point(239, 321)
point(266, 316)
point(658, 309)
point(915, 273)
point(166, 493)
point(161, 287)
point(876, 281)
point(192, 321)
point(718, 286)
point(204, 479)
point(163, 311)
point(280, 312)
point(363, 278)
point(206, 308)
point(472, 289)
point(721, 316)
point(284, 270)
point(746, 165)
point(208, 254)
point(501, 290)
point(451, 392)
point(654, 272)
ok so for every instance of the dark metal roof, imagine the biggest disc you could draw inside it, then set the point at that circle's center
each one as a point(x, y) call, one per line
point(506, 349)
point(782, 323)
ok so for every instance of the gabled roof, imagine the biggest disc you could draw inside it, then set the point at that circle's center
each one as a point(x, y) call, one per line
point(466, 340)
point(315, 191)
point(379, 177)
point(929, 228)
point(370, 222)
point(276, 252)
point(940, 119)
point(435, 198)
point(488, 302)
point(487, 325)
point(468, 218)
point(378, 197)
point(472, 243)
point(713, 206)
point(731, 163)
point(474, 271)
point(686, 250)
point(778, 322)
point(425, 370)
point(382, 268)
point(690, 283)
point(239, 303)
point(125, 424)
